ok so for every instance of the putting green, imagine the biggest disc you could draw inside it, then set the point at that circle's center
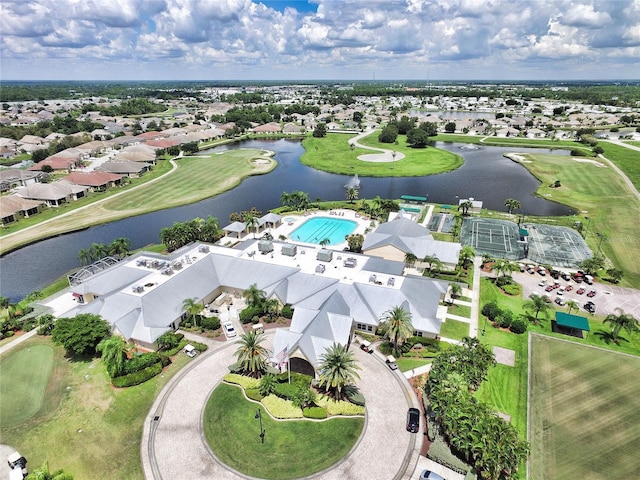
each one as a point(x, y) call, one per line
point(24, 376)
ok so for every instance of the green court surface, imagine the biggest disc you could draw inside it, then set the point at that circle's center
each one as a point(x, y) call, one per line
point(584, 405)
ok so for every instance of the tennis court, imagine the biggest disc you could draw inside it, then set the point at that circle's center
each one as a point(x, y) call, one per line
point(497, 238)
point(539, 243)
point(559, 246)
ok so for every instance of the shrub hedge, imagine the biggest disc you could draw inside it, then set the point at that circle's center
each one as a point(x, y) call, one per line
point(281, 408)
point(246, 315)
point(242, 380)
point(138, 377)
point(286, 390)
point(440, 453)
point(355, 397)
point(339, 407)
point(297, 378)
point(210, 323)
point(253, 394)
point(287, 311)
point(140, 362)
point(315, 413)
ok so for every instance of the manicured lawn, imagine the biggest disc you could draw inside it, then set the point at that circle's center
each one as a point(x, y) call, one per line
point(333, 154)
point(84, 425)
point(584, 412)
point(454, 329)
point(405, 364)
point(460, 310)
point(292, 449)
point(23, 382)
point(195, 179)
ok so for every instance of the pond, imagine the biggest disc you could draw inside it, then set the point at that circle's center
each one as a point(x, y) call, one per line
point(486, 175)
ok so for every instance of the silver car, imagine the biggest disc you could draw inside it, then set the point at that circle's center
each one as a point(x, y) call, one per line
point(429, 475)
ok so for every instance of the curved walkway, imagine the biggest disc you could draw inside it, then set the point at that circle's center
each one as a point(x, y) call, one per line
point(624, 177)
point(173, 443)
point(384, 155)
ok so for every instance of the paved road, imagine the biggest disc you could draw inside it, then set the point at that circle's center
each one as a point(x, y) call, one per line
point(173, 444)
point(384, 155)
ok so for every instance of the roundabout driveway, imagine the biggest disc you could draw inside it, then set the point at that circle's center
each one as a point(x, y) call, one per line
point(173, 444)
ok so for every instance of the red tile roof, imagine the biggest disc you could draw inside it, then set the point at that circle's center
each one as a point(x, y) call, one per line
point(92, 179)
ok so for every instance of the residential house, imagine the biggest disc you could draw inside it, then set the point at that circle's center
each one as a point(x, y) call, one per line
point(12, 177)
point(97, 181)
point(125, 167)
point(14, 207)
point(54, 194)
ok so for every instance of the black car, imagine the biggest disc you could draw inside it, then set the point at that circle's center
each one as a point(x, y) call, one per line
point(590, 307)
point(413, 420)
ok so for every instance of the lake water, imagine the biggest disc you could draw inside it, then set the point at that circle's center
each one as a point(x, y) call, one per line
point(486, 175)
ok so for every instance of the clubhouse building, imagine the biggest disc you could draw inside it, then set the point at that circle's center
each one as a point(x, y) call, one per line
point(333, 293)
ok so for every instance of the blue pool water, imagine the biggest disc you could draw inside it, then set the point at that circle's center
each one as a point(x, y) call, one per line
point(317, 229)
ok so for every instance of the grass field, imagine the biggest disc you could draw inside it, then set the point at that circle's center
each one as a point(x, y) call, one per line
point(405, 364)
point(598, 193)
point(333, 154)
point(454, 329)
point(292, 449)
point(584, 412)
point(24, 375)
point(84, 425)
point(196, 178)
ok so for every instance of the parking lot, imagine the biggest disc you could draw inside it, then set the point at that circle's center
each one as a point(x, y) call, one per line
point(608, 297)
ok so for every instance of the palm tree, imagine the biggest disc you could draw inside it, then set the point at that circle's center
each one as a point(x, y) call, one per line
point(254, 296)
point(512, 204)
point(114, 354)
point(120, 247)
point(397, 322)
point(251, 222)
point(272, 307)
point(98, 251)
point(537, 304)
point(465, 206)
point(433, 262)
point(619, 322)
point(456, 291)
point(467, 253)
point(285, 199)
point(410, 259)
point(352, 194)
point(573, 305)
point(252, 356)
point(84, 255)
point(193, 308)
point(268, 385)
point(337, 369)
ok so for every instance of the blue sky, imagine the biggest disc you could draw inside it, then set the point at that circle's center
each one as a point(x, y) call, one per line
point(319, 39)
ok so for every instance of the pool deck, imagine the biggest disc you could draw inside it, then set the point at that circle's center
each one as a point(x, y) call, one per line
point(286, 227)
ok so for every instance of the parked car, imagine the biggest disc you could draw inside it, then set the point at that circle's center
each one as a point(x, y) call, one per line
point(560, 301)
point(542, 272)
point(229, 329)
point(568, 288)
point(580, 291)
point(549, 288)
point(429, 475)
point(542, 282)
point(592, 293)
point(590, 307)
point(190, 350)
point(413, 420)
point(561, 291)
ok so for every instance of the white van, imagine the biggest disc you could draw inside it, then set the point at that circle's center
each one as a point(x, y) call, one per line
point(588, 279)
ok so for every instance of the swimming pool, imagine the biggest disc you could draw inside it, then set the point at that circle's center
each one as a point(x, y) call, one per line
point(317, 229)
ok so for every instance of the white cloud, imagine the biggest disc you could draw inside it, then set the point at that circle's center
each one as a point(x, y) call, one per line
point(345, 37)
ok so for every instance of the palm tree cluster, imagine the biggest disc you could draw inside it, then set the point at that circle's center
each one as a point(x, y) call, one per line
point(485, 440)
point(118, 248)
point(379, 207)
point(295, 200)
point(114, 354)
point(512, 204)
point(259, 304)
point(352, 194)
point(193, 309)
point(337, 370)
point(197, 230)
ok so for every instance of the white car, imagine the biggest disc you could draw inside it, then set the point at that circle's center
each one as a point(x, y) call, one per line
point(229, 329)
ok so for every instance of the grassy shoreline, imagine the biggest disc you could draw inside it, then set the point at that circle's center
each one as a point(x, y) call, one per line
point(196, 178)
